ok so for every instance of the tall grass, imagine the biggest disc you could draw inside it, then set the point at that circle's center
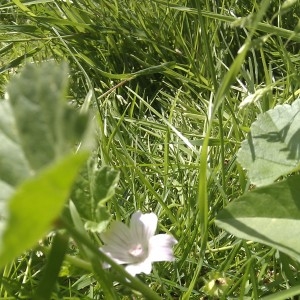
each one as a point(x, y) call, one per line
point(151, 72)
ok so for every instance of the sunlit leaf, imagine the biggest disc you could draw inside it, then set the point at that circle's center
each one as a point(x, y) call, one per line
point(38, 134)
point(269, 215)
point(14, 167)
point(35, 205)
point(103, 218)
point(104, 184)
point(272, 148)
point(93, 188)
point(41, 117)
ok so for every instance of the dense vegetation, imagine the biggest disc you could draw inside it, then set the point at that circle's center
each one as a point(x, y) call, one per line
point(173, 88)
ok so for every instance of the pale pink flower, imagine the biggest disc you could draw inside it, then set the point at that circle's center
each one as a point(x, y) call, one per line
point(136, 246)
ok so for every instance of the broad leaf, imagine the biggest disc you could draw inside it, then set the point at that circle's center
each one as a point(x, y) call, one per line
point(270, 215)
point(273, 145)
point(102, 218)
point(46, 127)
point(14, 167)
point(93, 188)
point(38, 132)
point(81, 194)
point(104, 184)
point(36, 97)
point(35, 205)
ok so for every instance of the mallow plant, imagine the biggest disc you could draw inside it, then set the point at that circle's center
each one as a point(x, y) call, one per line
point(46, 162)
point(269, 212)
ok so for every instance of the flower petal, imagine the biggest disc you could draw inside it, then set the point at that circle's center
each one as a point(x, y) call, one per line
point(143, 267)
point(118, 234)
point(160, 247)
point(136, 245)
point(117, 254)
point(105, 265)
point(143, 226)
point(118, 241)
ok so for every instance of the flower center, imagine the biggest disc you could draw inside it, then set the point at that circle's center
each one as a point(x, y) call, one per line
point(137, 250)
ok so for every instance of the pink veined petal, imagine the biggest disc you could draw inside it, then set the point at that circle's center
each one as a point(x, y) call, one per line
point(119, 235)
point(137, 246)
point(119, 255)
point(160, 247)
point(117, 243)
point(150, 224)
point(142, 267)
point(143, 226)
point(106, 265)
point(137, 228)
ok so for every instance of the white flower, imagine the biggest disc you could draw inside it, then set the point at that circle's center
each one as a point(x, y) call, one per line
point(136, 245)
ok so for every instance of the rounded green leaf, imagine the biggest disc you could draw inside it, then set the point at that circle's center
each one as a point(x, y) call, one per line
point(38, 132)
point(36, 98)
point(272, 148)
point(92, 189)
point(36, 204)
point(269, 215)
point(14, 167)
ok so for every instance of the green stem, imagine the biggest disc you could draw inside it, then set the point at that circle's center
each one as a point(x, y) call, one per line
point(74, 261)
